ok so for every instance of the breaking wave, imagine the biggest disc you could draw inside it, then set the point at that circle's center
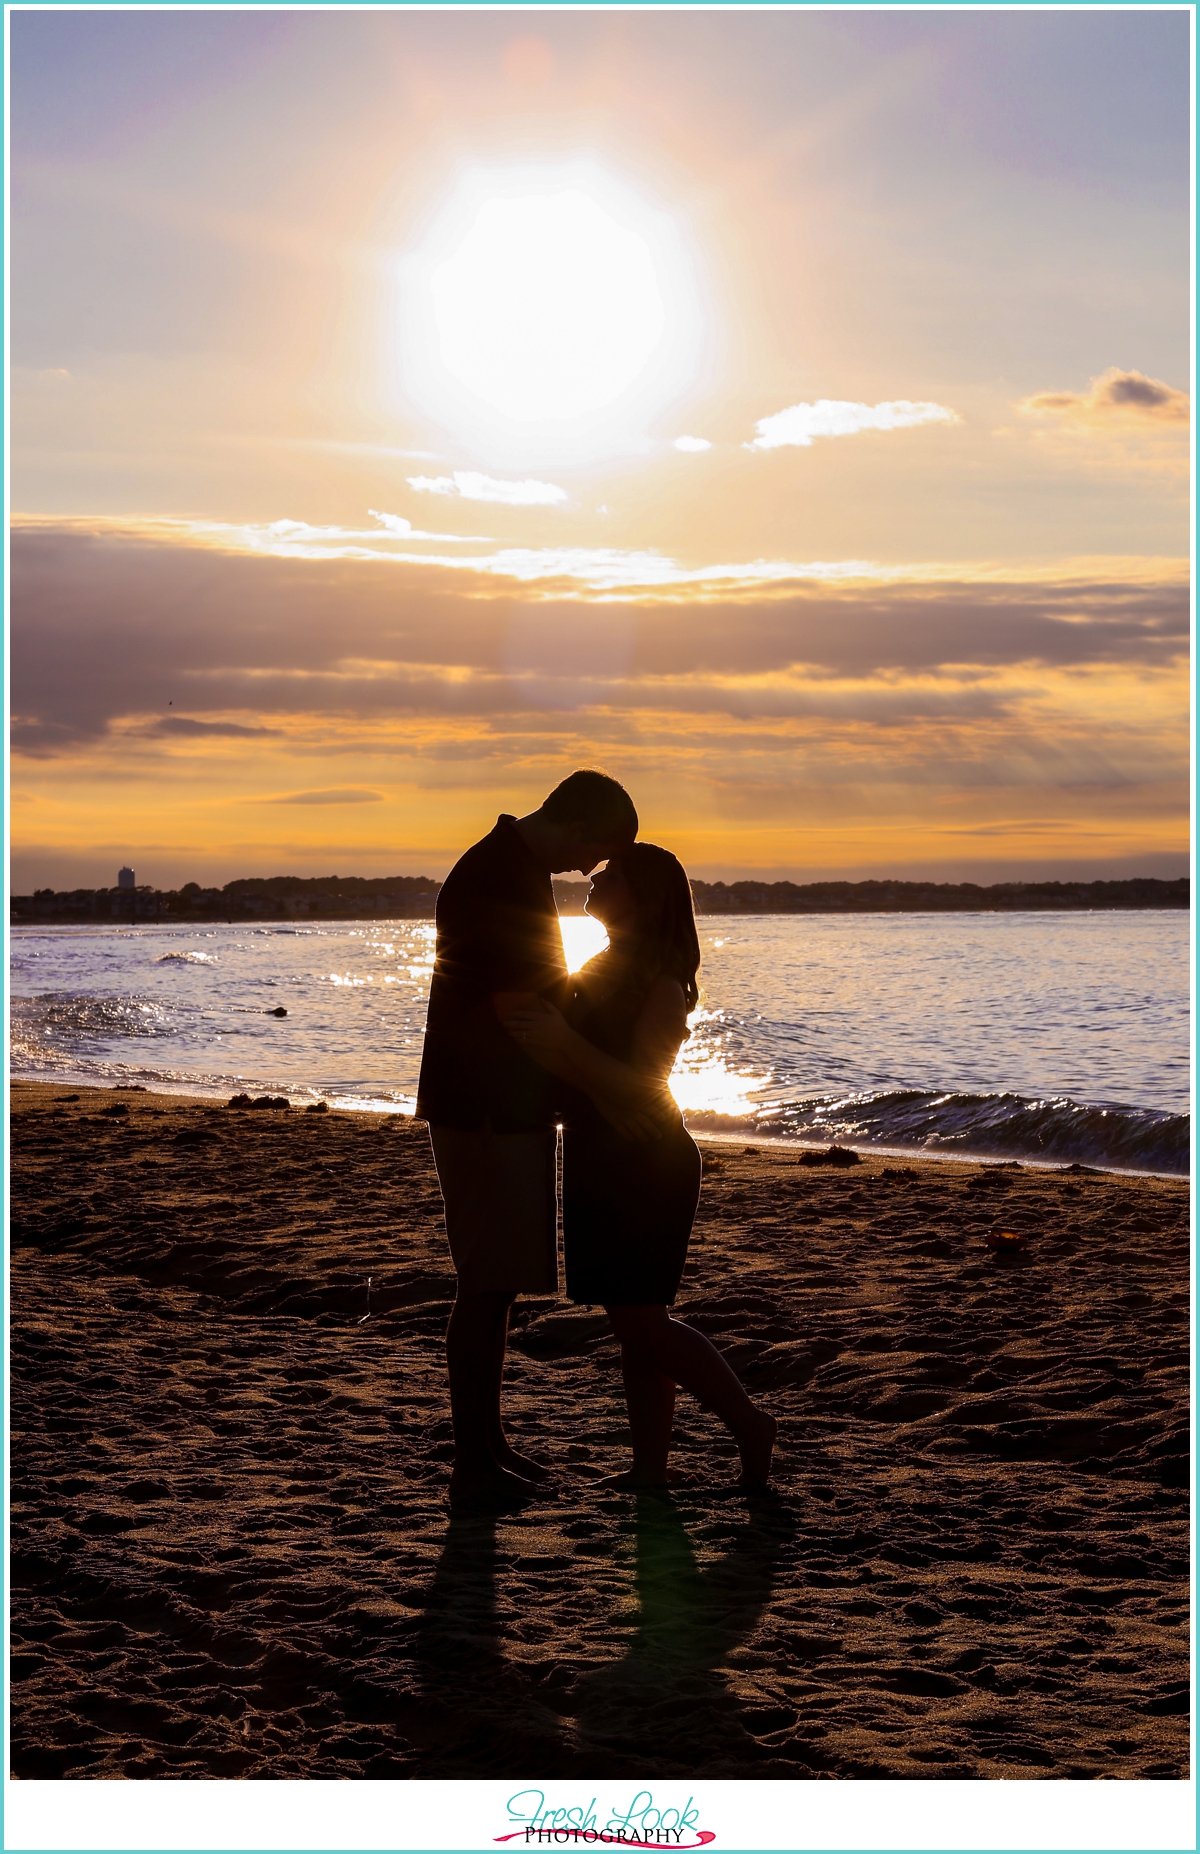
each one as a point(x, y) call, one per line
point(1010, 1126)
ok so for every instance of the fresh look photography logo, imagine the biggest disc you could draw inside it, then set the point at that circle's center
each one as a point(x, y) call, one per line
point(643, 1824)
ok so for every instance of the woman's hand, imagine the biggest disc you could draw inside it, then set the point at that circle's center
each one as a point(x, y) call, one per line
point(538, 1027)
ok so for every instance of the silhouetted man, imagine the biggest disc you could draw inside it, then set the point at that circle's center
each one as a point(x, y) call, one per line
point(491, 1108)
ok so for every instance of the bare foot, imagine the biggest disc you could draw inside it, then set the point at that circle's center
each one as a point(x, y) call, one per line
point(633, 1482)
point(490, 1489)
point(522, 1465)
point(755, 1450)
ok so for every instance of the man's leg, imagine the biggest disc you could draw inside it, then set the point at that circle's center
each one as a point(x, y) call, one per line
point(475, 1361)
point(499, 1195)
point(523, 1182)
point(502, 1449)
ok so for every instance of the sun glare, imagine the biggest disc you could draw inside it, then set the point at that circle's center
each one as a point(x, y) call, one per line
point(582, 937)
point(548, 310)
point(549, 307)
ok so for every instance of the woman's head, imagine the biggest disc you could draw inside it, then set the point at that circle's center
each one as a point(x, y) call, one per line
point(645, 899)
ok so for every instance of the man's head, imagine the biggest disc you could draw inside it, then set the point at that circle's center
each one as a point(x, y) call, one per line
point(587, 818)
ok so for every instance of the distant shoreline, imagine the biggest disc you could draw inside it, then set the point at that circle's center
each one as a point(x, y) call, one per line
point(280, 898)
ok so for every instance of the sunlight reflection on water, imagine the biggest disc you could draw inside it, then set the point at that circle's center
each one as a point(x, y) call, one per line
point(702, 1080)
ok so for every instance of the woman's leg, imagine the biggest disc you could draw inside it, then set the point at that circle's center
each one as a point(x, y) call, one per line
point(653, 1342)
point(650, 1400)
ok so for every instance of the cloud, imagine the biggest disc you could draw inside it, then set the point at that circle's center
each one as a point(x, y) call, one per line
point(472, 486)
point(286, 534)
point(838, 718)
point(176, 726)
point(841, 418)
point(693, 444)
point(395, 524)
point(330, 795)
point(1114, 397)
point(599, 570)
point(104, 621)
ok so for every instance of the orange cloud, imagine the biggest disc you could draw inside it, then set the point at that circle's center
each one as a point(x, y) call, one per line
point(162, 637)
point(1115, 397)
point(188, 691)
point(327, 795)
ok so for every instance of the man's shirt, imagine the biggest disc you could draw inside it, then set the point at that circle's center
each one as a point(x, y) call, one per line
point(497, 930)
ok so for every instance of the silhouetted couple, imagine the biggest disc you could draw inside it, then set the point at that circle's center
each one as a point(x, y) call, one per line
point(513, 1046)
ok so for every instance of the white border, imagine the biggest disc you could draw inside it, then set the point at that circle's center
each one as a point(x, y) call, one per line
point(437, 1815)
point(470, 1815)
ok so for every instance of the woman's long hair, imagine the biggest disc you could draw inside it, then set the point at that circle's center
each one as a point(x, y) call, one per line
point(664, 938)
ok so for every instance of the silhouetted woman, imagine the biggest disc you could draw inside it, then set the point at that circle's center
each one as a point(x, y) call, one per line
point(631, 1171)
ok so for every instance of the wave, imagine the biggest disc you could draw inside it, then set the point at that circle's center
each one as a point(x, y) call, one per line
point(186, 959)
point(34, 1058)
point(1010, 1126)
point(71, 1017)
point(89, 1041)
point(32, 1061)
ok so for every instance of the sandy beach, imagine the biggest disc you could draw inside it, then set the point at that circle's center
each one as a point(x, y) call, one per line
point(232, 1554)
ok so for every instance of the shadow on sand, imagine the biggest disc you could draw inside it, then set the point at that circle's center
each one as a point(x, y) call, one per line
point(479, 1715)
point(662, 1707)
point(666, 1707)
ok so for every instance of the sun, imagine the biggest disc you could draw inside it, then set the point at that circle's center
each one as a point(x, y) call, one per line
point(547, 312)
point(549, 308)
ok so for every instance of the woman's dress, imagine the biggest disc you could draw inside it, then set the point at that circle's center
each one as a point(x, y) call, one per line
point(628, 1206)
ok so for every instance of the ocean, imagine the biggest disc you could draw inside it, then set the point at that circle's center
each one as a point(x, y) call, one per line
point(1061, 1038)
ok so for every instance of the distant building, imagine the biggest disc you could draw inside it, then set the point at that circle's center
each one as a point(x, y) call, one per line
point(126, 879)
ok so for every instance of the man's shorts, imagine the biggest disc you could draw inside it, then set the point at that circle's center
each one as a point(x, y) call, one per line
point(501, 1208)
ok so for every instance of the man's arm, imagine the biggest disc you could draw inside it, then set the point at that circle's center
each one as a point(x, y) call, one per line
point(504, 1002)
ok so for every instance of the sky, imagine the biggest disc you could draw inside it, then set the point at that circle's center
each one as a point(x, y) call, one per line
point(786, 411)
